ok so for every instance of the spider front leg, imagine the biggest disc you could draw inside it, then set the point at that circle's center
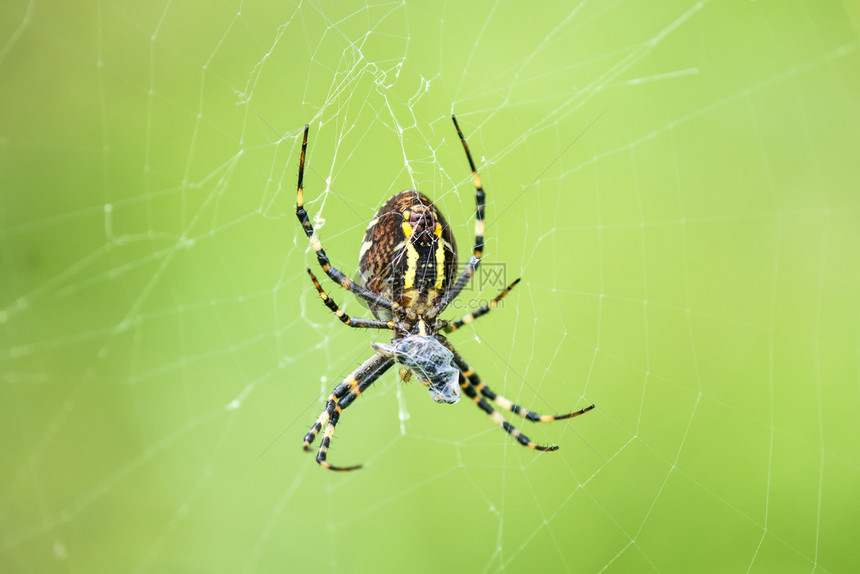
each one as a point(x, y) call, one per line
point(334, 273)
point(470, 392)
point(356, 322)
point(505, 403)
point(341, 397)
point(471, 385)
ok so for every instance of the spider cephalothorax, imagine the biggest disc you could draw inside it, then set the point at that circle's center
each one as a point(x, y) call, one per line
point(408, 276)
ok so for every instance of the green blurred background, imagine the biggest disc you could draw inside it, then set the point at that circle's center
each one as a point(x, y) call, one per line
point(689, 264)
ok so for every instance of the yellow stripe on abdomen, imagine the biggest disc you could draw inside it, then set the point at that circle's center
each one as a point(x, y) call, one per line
point(440, 264)
point(411, 266)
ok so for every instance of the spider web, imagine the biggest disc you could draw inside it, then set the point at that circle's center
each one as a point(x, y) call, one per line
point(675, 182)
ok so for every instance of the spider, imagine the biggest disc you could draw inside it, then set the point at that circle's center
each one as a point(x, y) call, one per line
point(408, 270)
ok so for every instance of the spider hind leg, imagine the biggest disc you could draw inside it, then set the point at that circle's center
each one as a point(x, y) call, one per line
point(355, 322)
point(334, 273)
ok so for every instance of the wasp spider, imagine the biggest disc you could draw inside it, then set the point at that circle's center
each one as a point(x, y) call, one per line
point(408, 270)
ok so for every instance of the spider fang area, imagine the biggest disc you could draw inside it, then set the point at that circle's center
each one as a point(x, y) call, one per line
point(430, 362)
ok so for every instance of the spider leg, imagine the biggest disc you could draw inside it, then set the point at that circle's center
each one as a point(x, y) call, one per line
point(479, 197)
point(449, 326)
point(341, 397)
point(335, 274)
point(356, 322)
point(505, 403)
point(475, 259)
point(472, 386)
point(470, 392)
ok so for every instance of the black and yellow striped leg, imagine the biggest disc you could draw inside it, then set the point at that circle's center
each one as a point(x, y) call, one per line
point(466, 376)
point(356, 322)
point(505, 403)
point(341, 397)
point(335, 274)
point(475, 259)
point(470, 392)
point(484, 309)
point(479, 196)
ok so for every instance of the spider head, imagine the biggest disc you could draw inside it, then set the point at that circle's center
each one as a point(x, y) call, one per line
point(430, 362)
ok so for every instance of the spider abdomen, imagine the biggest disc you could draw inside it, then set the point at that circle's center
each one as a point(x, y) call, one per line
point(408, 254)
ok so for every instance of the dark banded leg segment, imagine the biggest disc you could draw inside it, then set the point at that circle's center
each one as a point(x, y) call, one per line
point(470, 392)
point(484, 309)
point(335, 274)
point(505, 403)
point(479, 196)
point(356, 322)
point(341, 397)
point(475, 259)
